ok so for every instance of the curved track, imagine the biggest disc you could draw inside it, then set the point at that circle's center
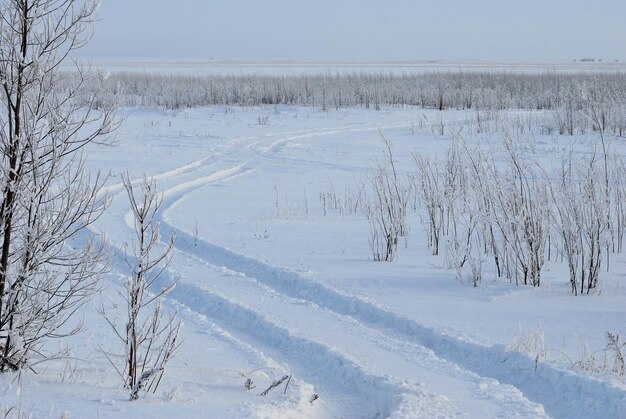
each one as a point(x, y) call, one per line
point(364, 360)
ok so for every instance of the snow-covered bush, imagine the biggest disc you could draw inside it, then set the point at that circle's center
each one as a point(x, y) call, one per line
point(149, 336)
point(522, 212)
point(508, 207)
point(582, 219)
point(386, 206)
point(429, 186)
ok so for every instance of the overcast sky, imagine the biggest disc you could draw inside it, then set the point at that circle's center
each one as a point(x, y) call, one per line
point(359, 30)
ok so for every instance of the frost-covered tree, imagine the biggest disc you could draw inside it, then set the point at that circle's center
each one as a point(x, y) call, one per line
point(47, 117)
point(150, 337)
point(566, 97)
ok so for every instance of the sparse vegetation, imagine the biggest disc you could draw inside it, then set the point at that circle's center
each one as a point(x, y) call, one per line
point(563, 97)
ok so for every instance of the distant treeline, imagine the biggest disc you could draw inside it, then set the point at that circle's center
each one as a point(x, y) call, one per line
point(573, 95)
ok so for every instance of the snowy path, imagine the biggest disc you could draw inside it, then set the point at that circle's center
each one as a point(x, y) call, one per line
point(405, 340)
point(362, 359)
point(338, 351)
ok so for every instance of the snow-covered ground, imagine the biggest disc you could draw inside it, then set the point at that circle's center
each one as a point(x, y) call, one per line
point(271, 284)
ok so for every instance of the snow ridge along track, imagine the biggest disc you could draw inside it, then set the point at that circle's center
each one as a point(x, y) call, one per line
point(373, 396)
point(547, 384)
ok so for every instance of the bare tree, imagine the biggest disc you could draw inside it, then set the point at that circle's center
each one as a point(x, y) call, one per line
point(47, 116)
point(150, 337)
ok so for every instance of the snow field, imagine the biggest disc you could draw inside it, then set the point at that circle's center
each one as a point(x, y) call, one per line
point(267, 283)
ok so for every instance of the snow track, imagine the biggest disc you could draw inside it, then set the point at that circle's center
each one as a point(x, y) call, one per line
point(543, 383)
point(320, 357)
point(334, 376)
point(364, 359)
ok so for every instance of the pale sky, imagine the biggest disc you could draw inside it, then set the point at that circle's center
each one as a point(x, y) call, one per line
point(359, 30)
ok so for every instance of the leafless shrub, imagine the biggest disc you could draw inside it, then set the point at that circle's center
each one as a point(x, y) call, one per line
point(476, 267)
point(581, 220)
point(481, 189)
point(150, 338)
point(609, 360)
point(430, 188)
point(386, 209)
point(512, 208)
point(350, 203)
point(522, 213)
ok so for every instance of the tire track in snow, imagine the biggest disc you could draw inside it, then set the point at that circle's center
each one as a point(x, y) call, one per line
point(181, 191)
point(389, 394)
point(356, 393)
point(255, 147)
point(546, 385)
point(204, 162)
point(408, 364)
point(524, 408)
point(562, 392)
point(295, 404)
point(167, 175)
point(178, 192)
point(376, 392)
point(365, 395)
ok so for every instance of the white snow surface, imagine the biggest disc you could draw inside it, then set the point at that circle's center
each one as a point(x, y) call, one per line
point(267, 286)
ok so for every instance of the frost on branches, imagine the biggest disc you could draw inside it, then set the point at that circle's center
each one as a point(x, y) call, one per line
point(47, 116)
